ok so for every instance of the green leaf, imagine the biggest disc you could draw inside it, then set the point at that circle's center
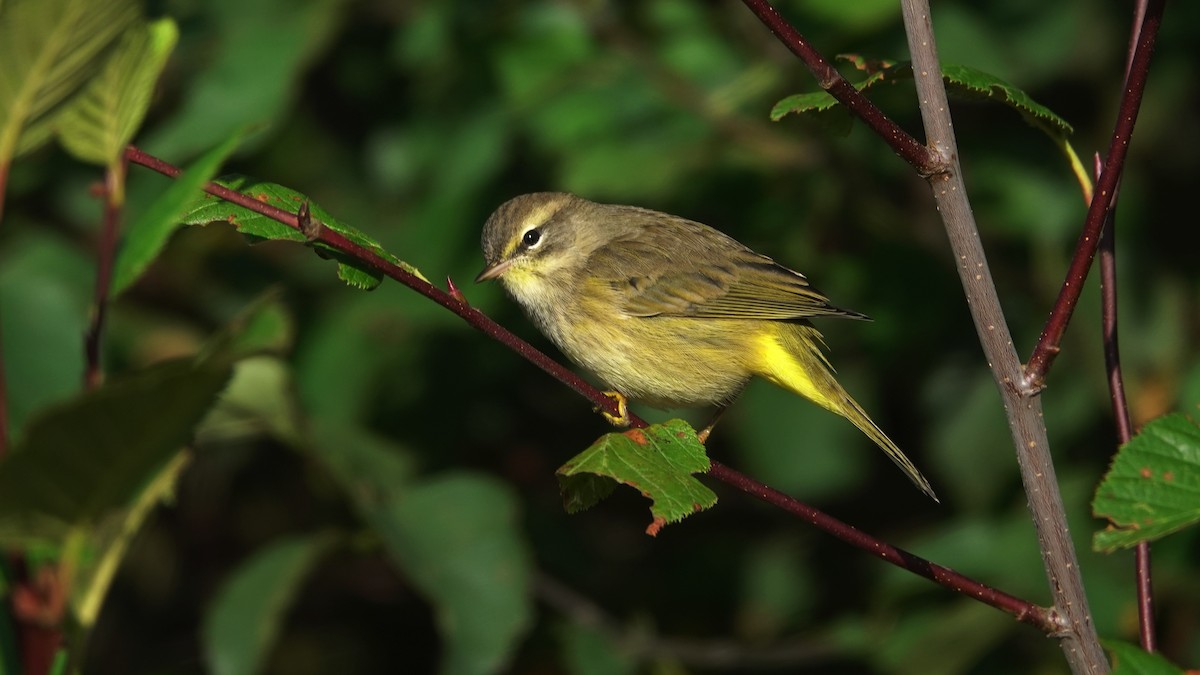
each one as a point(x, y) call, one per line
point(94, 453)
point(258, 53)
point(45, 289)
point(241, 626)
point(818, 101)
point(146, 236)
point(1133, 660)
point(456, 538)
point(1153, 487)
point(98, 123)
point(94, 552)
point(658, 461)
point(257, 227)
point(963, 81)
point(822, 101)
point(968, 82)
point(48, 49)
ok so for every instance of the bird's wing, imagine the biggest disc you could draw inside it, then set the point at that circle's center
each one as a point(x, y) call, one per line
point(711, 282)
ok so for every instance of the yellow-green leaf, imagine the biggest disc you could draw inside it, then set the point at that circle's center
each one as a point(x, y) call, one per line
point(98, 123)
point(48, 50)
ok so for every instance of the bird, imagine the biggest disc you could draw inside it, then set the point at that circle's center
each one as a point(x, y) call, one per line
point(665, 310)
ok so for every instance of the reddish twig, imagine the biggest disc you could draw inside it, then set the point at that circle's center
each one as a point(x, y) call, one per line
point(1026, 612)
point(328, 237)
point(925, 161)
point(1120, 409)
point(1141, 558)
point(106, 249)
point(1085, 250)
point(1116, 388)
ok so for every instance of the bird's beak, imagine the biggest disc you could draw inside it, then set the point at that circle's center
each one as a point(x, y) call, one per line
point(494, 270)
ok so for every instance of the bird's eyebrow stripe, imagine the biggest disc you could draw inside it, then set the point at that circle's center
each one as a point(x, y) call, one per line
point(534, 218)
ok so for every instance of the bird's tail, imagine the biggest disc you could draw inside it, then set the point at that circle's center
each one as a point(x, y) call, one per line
point(793, 360)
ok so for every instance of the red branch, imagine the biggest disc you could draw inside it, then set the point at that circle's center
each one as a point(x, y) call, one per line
point(1085, 250)
point(106, 249)
point(1024, 611)
point(926, 162)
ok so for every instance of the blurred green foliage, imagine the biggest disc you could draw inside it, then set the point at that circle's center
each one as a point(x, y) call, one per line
point(432, 450)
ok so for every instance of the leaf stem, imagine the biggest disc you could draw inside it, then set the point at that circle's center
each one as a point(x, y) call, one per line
point(106, 250)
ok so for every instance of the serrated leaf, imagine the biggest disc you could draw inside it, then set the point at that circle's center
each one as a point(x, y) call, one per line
point(1133, 660)
point(821, 101)
point(145, 237)
point(243, 623)
point(48, 49)
point(82, 459)
point(103, 118)
point(965, 80)
point(962, 81)
point(257, 227)
point(1153, 487)
point(658, 461)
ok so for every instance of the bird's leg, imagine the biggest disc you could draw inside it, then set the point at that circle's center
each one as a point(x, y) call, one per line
point(703, 433)
point(621, 419)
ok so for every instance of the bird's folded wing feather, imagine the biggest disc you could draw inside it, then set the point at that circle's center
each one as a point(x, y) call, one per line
point(741, 284)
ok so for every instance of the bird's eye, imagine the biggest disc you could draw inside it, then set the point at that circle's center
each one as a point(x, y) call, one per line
point(531, 238)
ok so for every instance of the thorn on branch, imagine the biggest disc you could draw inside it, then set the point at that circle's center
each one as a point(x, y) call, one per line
point(455, 292)
point(311, 229)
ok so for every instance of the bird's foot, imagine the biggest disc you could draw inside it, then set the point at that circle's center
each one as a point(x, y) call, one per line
point(621, 419)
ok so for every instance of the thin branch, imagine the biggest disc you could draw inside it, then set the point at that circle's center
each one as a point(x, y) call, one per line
point(106, 250)
point(925, 162)
point(319, 233)
point(1024, 611)
point(1079, 641)
point(1120, 407)
point(1141, 558)
point(1085, 250)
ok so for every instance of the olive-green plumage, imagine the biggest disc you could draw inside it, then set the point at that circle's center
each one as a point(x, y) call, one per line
point(666, 310)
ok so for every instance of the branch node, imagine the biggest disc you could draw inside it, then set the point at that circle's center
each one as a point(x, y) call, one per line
point(939, 160)
point(1061, 626)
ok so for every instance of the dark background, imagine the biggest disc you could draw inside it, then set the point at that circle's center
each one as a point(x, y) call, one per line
point(413, 120)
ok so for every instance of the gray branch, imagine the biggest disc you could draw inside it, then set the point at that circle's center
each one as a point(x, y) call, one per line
point(1078, 637)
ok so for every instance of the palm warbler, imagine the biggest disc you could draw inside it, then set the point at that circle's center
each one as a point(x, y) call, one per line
point(666, 310)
